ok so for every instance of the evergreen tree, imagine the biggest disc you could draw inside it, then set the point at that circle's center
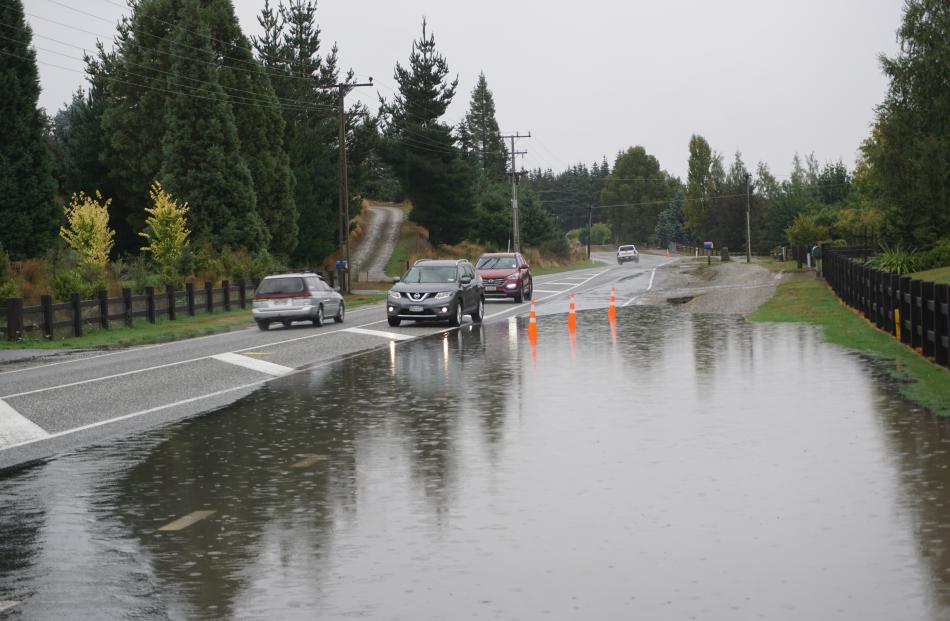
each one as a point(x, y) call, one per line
point(479, 135)
point(422, 151)
point(537, 225)
point(670, 223)
point(202, 159)
point(635, 193)
point(27, 186)
point(697, 185)
point(260, 124)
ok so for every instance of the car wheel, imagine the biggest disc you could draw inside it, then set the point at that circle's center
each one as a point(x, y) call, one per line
point(456, 319)
point(340, 314)
point(287, 323)
point(619, 262)
point(318, 320)
point(263, 324)
point(479, 313)
point(530, 291)
point(519, 297)
point(394, 321)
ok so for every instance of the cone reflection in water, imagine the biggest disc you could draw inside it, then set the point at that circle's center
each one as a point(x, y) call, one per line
point(612, 317)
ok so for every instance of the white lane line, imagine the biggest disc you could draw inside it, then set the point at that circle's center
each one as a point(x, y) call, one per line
point(173, 364)
point(187, 520)
point(255, 364)
point(649, 286)
point(7, 605)
point(545, 291)
point(16, 428)
point(210, 395)
point(135, 350)
point(380, 333)
point(567, 284)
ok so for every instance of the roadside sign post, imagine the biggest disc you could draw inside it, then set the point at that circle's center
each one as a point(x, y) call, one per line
point(708, 247)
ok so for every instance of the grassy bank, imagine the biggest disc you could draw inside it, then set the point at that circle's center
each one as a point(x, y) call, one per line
point(807, 299)
point(162, 331)
point(576, 265)
point(938, 275)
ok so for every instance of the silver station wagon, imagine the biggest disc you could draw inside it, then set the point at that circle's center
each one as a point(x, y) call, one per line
point(286, 298)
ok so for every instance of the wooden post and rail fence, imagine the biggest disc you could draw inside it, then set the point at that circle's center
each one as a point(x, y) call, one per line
point(915, 312)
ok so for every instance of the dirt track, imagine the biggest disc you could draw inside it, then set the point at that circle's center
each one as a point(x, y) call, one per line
point(376, 248)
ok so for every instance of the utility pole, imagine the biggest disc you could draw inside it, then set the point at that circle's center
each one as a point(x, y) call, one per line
point(590, 209)
point(515, 225)
point(748, 224)
point(344, 211)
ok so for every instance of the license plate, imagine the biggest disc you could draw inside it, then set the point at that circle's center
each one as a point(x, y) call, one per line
point(491, 288)
point(279, 302)
point(415, 309)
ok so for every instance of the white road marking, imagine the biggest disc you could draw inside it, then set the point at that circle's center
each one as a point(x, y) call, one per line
point(172, 364)
point(649, 286)
point(523, 309)
point(308, 461)
point(254, 364)
point(545, 291)
point(16, 428)
point(380, 333)
point(567, 284)
point(187, 520)
point(7, 605)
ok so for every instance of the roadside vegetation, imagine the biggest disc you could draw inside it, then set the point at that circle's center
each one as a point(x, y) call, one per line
point(806, 299)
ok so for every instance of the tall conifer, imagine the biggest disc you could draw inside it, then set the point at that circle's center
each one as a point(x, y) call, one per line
point(27, 211)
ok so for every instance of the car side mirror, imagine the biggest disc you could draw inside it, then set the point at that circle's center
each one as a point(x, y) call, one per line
point(466, 280)
point(525, 266)
point(396, 279)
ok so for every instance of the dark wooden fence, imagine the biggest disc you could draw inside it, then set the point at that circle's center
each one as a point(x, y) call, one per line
point(915, 311)
point(72, 318)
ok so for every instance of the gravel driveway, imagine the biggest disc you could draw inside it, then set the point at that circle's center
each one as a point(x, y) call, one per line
point(376, 247)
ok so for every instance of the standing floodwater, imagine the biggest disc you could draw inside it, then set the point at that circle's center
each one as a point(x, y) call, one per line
point(670, 467)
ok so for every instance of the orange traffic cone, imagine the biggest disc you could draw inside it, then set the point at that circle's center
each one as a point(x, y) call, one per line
point(571, 317)
point(532, 324)
point(612, 309)
point(667, 252)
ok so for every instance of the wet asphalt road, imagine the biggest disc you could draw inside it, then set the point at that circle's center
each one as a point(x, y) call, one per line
point(53, 407)
point(660, 466)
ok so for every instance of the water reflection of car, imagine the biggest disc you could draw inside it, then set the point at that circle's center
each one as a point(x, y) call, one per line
point(627, 252)
point(287, 298)
point(437, 290)
point(505, 275)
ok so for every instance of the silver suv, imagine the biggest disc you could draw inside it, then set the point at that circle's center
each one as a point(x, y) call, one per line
point(435, 290)
point(287, 298)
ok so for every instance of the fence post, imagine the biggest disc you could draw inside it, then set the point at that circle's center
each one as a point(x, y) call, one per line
point(915, 315)
point(76, 309)
point(190, 298)
point(893, 301)
point(226, 291)
point(170, 294)
point(150, 304)
point(242, 293)
point(927, 324)
point(879, 299)
point(14, 318)
point(942, 329)
point(103, 309)
point(209, 297)
point(46, 303)
point(905, 308)
point(127, 305)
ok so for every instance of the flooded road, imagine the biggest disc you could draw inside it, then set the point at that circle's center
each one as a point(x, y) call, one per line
point(667, 466)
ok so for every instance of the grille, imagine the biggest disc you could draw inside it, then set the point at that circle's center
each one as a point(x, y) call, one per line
point(416, 297)
point(493, 281)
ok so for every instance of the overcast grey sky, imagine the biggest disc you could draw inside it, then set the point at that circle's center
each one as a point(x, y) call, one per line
point(589, 79)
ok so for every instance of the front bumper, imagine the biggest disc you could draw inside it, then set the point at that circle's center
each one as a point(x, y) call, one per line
point(502, 290)
point(426, 310)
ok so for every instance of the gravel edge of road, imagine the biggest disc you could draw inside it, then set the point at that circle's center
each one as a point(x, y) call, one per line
point(733, 288)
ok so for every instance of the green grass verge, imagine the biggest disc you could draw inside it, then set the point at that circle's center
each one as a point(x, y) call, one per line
point(162, 331)
point(938, 275)
point(810, 300)
point(576, 265)
point(397, 262)
point(774, 265)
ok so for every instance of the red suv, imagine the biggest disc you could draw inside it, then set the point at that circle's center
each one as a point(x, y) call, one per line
point(505, 275)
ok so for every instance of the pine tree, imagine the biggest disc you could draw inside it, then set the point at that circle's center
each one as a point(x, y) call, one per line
point(422, 151)
point(260, 124)
point(202, 159)
point(479, 135)
point(27, 186)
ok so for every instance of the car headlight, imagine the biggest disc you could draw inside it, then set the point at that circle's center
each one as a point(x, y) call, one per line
point(444, 295)
point(395, 295)
point(514, 276)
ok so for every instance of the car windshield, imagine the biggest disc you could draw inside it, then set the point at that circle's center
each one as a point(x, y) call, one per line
point(626, 248)
point(430, 274)
point(496, 263)
point(281, 285)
